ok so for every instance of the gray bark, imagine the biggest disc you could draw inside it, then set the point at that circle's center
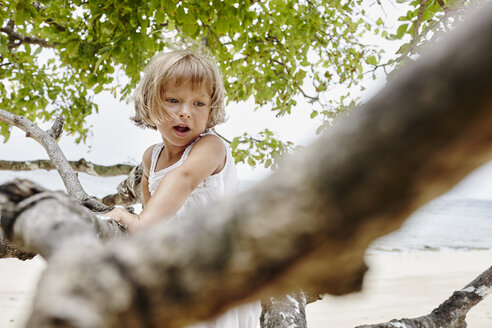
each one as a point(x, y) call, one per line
point(78, 166)
point(305, 226)
point(288, 311)
point(49, 221)
point(129, 191)
point(7, 250)
point(48, 140)
point(451, 313)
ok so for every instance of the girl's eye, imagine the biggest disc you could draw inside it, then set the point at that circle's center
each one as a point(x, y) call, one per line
point(173, 101)
point(199, 104)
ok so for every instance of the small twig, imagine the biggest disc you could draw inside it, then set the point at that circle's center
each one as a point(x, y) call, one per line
point(417, 23)
point(221, 136)
point(305, 94)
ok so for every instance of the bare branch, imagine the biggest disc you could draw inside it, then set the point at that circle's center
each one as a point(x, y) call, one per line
point(221, 136)
point(70, 179)
point(78, 166)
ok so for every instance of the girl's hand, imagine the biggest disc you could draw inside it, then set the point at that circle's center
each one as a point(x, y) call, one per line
point(131, 221)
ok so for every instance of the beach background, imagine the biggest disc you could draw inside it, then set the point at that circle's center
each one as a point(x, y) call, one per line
point(441, 248)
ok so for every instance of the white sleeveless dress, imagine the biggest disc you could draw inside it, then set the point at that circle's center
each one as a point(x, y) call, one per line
point(212, 188)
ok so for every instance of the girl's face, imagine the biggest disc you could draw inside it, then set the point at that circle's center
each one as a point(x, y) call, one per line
point(190, 111)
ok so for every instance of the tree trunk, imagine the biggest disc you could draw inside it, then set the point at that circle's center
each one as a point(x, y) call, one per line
point(308, 224)
point(284, 312)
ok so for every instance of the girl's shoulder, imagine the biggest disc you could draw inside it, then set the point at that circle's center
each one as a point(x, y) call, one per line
point(210, 142)
point(209, 151)
point(147, 157)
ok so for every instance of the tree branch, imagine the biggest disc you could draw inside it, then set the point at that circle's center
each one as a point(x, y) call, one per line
point(57, 128)
point(78, 166)
point(7, 250)
point(129, 190)
point(55, 221)
point(70, 179)
point(17, 39)
point(417, 23)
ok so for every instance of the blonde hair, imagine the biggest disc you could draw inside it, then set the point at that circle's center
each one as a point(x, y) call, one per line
point(175, 68)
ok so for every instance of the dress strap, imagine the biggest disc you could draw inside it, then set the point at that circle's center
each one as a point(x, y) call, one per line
point(155, 156)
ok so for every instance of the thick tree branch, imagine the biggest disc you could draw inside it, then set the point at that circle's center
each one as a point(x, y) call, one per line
point(54, 220)
point(70, 180)
point(452, 313)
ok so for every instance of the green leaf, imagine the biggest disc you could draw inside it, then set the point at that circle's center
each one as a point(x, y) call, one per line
point(181, 16)
point(72, 48)
point(402, 29)
point(251, 162)
point(371, 60)
point(222, 26)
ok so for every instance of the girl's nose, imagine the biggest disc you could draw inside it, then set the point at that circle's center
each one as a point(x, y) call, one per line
point(184, 112)
point(184, 115)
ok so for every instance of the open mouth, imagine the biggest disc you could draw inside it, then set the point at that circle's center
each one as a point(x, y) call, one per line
point(181, 128)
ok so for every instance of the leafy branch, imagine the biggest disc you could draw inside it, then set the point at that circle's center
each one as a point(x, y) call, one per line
point(16, 39)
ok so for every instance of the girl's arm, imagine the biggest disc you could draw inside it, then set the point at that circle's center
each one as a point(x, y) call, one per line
point(207, 157)
point(123, 215)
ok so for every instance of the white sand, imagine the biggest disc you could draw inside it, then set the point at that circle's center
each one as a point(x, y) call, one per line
point(18, 281)
point(397, 285)
point(409, 285)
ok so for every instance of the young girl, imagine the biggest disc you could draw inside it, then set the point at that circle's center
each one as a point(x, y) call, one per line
point(181, 95)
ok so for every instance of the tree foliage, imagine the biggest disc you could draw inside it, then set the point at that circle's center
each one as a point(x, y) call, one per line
point(56, 55)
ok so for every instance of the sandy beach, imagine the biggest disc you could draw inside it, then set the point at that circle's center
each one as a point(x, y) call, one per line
point(399, 284)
